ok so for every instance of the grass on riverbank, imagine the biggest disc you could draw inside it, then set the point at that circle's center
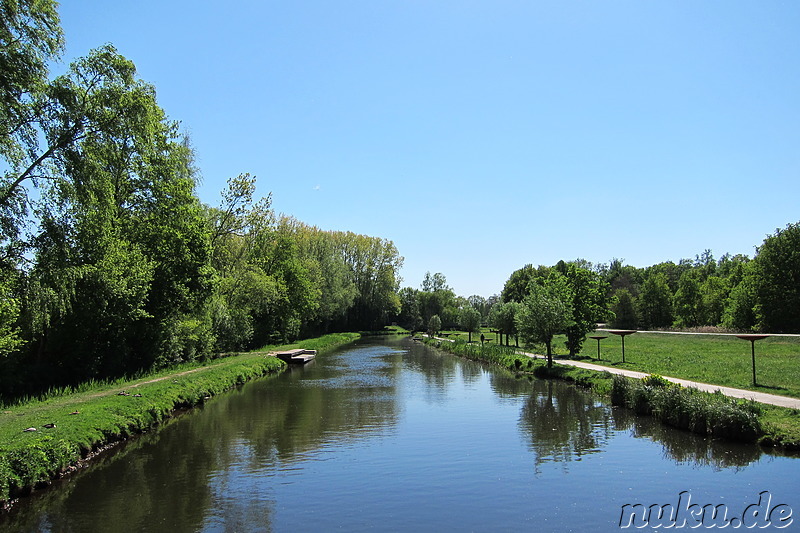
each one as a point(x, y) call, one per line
point(718, 359)
point(705, 413)
point(99, 415)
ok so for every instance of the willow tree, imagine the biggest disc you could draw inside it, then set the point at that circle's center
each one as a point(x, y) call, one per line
point(120, 272)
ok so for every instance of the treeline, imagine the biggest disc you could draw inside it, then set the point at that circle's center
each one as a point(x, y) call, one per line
point(734, 293)
point(110, 264)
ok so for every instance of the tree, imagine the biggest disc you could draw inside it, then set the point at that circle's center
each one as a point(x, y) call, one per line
point(471, 320)
point(480, 303)
point(742, 312)
point(410, 316)
point(778, 273)
point(502, 316)
point(687, 300)
point(435, 282)
point(624, 310)
point(437, 298)
point(714, 292)
point(30, 38)
point(588, 303)
point(544, 313)
point(434, 325)
point(655, 302)
point(517, 286)
point(240, 230)
point(120, 276)
point(622, 276)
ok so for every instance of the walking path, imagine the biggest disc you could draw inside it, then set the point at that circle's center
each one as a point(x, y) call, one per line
point(761, 397)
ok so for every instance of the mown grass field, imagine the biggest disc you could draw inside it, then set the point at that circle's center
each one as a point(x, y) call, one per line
point(717, 359)
point(99, 414)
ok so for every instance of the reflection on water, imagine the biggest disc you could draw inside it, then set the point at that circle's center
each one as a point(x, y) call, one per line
point(563, 423)
point(363, 436)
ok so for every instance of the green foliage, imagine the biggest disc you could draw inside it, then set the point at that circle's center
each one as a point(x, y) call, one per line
point(470, 320)
point(777, 266)
point(545, 312)
point(502, 317)
point(494, 354)
point(655, 303)
point(410, 315)
point(588, 293)
point(434, 325)
point(30, 37)
point(518, 284)
point(742, 312)
point(687, 408)
point(623, 310)
point(109, 264)
point(435, 282)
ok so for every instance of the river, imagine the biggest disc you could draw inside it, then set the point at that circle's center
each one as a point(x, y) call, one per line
point(390, 435)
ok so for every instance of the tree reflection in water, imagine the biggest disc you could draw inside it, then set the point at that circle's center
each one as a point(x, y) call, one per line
point(563, 423)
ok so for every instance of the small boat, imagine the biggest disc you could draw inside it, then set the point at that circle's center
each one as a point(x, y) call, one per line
point(299, 356)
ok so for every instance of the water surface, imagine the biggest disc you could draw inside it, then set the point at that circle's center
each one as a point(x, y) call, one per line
point(390, 435)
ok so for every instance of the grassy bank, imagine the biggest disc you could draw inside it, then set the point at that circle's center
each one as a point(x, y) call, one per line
point(714, 415)
point(100, 414)
point(719, 359)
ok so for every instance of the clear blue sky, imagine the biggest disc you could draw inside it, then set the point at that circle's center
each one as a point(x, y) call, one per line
point(483, 135)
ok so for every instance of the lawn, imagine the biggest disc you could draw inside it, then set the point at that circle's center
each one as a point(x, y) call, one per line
point(717, 359)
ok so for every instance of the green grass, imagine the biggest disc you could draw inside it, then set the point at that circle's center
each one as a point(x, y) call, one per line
point(717, 359)
point(28, 459)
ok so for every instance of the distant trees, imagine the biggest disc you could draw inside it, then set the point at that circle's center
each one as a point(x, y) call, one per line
point(434, 325)
point(109, 263)
point(502, 317)
point(655, 303)
point(734, 292)
point(470, 321)
point(623, 310)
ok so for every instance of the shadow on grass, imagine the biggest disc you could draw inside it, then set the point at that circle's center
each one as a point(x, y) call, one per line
point(770, 387)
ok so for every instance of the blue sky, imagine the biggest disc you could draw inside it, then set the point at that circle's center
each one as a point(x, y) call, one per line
point(483, 135)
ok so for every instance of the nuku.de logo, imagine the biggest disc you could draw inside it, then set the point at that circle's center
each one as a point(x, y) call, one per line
point(686, 514)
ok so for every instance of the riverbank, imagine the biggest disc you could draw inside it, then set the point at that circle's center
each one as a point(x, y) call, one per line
point(44, 439)
point(706, 413)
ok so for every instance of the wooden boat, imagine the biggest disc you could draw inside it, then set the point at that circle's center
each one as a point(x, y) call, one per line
point(298, 356)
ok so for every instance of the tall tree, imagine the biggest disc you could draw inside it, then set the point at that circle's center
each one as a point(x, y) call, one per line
point(623, 309)
point(30, 38)
point(121, 256)
point(687, 301)
point(778, 271)
point(517, 285)
point(588, 293)
point(655, 302)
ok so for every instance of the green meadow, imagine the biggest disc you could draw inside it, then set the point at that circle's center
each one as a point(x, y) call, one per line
point(718, 359)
